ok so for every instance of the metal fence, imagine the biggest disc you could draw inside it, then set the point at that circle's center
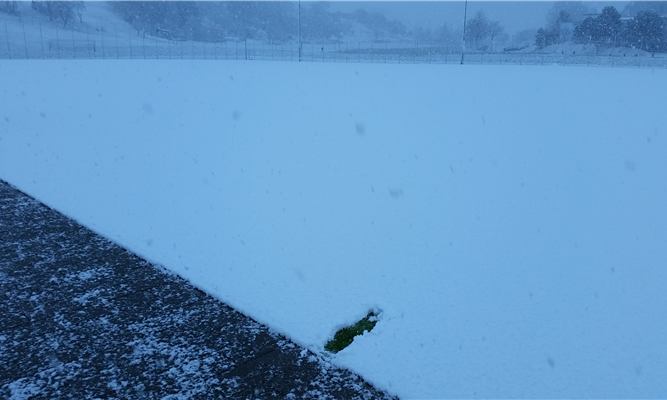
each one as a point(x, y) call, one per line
point(105, 43)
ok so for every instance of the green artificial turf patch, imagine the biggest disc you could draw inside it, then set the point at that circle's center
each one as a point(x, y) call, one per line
point(345, 336)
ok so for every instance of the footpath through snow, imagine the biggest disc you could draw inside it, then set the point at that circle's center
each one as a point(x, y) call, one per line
point(508, 222)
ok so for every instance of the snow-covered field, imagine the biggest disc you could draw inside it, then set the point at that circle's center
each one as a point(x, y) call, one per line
point(510, 222)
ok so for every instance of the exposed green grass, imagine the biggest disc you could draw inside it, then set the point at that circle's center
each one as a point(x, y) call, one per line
point(345, 336)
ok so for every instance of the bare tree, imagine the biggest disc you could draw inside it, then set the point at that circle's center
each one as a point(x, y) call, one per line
point(478, 28)
point(494, 30)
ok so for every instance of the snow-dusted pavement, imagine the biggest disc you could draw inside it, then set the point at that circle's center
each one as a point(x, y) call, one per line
point(80, 317)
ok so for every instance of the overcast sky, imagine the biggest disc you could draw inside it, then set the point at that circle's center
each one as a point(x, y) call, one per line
point(513, 15)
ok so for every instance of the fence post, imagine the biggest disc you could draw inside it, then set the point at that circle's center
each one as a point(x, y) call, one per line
point(116, 29)
point(25, 42)
point(9, 51)
point(73, 50)
point(88, 42)
point(41, 38)
point(58, 42)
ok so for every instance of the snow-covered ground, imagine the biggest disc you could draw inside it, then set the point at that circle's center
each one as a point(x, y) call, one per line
point(508, 221)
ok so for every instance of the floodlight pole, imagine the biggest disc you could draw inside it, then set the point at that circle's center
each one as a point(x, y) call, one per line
point(465, 17)
point(299, 30)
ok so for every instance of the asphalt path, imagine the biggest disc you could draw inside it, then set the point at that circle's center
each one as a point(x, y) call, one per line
point(82, 318)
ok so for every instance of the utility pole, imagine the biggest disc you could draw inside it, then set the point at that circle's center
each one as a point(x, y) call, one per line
point(299, 30)
point(465, 17)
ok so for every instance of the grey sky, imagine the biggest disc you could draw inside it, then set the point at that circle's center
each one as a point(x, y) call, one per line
point(513, 15)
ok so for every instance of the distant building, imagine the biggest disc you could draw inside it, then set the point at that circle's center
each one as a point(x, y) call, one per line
point(591, 15)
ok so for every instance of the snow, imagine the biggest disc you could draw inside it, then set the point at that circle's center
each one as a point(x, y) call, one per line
point(508, 221)
point(23, 391)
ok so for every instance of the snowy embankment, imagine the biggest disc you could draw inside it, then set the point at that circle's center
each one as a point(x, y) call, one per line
point(509, 222)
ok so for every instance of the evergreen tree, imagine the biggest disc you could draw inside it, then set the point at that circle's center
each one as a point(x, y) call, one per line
point(646, 32)
point(590, 31)
point(545, 37)
point(602, 30)
point(610, 25)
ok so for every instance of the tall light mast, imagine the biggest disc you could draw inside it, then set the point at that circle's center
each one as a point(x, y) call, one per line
point(299, 30)
point(465, 18)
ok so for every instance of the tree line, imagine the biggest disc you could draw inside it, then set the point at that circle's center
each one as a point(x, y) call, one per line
point(281, 21)
point(260, 20)
point(647, 30)
point(57, 11)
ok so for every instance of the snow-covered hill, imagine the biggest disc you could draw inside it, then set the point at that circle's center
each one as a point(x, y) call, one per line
point(96, 16)
point(98, 34)
point(508, 221)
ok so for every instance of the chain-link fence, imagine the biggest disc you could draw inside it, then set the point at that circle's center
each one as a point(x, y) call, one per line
point(111, 43)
